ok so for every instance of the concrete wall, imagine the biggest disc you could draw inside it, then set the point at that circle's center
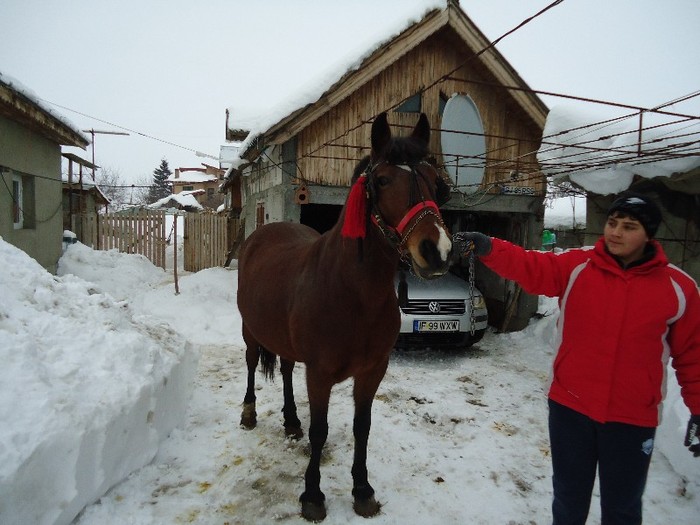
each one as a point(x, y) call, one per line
point(38, 160)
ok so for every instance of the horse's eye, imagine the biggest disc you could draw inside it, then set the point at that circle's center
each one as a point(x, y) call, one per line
point(382, 181)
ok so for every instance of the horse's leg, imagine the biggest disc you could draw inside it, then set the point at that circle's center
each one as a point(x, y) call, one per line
point(312, 499)
point(364, 389)
point(252, 355)
point(292, 425)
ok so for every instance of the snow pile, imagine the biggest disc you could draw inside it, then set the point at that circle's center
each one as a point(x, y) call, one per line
point(603, 155)
point(89, 389)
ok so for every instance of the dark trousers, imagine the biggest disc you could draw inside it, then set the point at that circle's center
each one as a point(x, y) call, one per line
point(621, 453)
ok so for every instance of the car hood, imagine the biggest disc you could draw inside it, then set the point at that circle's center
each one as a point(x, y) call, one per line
point(448, 286)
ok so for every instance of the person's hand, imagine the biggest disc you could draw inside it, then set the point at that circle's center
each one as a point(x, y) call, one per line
point(692, 435)
point(464, 242)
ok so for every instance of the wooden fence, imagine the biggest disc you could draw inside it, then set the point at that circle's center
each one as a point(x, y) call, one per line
point(206, 236)
point(141, 232)
point(206, 240)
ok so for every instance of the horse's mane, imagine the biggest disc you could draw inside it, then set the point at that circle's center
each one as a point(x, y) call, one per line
point(401, 150)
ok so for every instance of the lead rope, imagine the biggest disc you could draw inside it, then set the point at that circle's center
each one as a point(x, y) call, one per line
point(472, 320)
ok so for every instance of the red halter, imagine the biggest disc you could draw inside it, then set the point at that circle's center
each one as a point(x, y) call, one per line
point(410, 214)
point(354, 225)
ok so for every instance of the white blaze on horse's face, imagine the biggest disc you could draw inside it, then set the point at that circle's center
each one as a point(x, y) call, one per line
point(431, 259)
point(444, 244)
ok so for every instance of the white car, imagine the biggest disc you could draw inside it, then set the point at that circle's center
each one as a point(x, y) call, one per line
point(438, 313)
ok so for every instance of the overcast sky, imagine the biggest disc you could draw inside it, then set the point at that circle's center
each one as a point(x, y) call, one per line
point(170, 68)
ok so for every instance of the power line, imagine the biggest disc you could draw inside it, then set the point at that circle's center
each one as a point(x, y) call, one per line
point(140, 133)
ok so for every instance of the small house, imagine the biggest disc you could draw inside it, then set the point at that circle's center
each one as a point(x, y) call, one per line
point(81, 194)
point(203, 183)
point(31, 136)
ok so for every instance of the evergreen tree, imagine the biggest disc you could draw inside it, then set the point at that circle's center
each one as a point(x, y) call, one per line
point(160, 187)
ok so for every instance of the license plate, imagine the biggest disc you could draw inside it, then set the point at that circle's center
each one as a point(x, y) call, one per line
point(435, 326)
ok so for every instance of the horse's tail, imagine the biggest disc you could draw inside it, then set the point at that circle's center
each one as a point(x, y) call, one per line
point(268, 360)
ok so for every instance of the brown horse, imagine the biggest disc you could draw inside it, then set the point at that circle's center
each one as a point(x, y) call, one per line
point(328, 300)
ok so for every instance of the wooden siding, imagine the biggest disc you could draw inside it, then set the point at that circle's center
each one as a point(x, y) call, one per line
point(329, 147)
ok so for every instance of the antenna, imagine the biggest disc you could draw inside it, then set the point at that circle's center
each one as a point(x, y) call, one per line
point(94, 132)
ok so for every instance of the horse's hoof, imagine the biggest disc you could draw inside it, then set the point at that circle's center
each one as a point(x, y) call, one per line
point(314, 512)
point(366, 507)
point(294, 432)
point(249, 417)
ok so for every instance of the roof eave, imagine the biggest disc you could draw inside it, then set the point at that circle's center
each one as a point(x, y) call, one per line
point(17, 107)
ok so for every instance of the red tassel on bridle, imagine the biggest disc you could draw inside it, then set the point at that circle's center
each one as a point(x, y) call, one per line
point(355, 223)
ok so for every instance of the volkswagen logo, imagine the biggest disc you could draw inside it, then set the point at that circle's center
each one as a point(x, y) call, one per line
point(434, 307)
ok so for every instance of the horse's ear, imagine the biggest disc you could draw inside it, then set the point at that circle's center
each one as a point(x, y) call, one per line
point(381, 134)
point(422, 129)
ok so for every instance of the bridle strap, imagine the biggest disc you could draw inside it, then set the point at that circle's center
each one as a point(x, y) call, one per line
point(413, 212)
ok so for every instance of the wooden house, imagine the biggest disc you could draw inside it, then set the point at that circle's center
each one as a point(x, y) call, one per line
point(299, 169)
point(31, 136)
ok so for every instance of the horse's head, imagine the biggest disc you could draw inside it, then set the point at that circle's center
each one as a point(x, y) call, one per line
point(401, 191)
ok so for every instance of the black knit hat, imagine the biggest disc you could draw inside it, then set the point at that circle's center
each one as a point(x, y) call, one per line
point(639, 207)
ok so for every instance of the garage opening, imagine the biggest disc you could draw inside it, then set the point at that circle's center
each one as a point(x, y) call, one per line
point(321, 217)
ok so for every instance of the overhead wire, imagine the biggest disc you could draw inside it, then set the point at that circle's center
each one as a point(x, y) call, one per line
point(140, 133)
point(524, 166)
point(519, 160)
point(441, 78)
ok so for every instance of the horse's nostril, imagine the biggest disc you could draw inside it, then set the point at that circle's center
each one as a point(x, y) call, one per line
point(430, 253)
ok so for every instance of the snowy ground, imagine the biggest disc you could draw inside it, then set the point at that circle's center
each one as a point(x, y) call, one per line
point(456, 437)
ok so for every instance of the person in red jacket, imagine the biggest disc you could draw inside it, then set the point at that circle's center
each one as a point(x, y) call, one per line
point(624, 311)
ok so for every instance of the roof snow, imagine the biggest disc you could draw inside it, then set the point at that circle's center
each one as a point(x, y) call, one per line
point(602, 155)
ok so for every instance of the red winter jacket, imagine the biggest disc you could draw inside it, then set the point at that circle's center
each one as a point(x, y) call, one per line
point(616, 330)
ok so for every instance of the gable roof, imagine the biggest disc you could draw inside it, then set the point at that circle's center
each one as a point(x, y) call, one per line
point(389, 52)
point(19, 104)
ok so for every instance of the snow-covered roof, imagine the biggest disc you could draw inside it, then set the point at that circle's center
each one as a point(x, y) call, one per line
point(393, 38)
point(183, 200)
point(87, 184)
point(18, 88)
point(257, 122)
point(603, 155)
point(192, 176)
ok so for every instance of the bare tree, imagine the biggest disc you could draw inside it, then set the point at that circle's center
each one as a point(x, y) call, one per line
point(121, 193)
point(112, 186)
point(140, 190)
